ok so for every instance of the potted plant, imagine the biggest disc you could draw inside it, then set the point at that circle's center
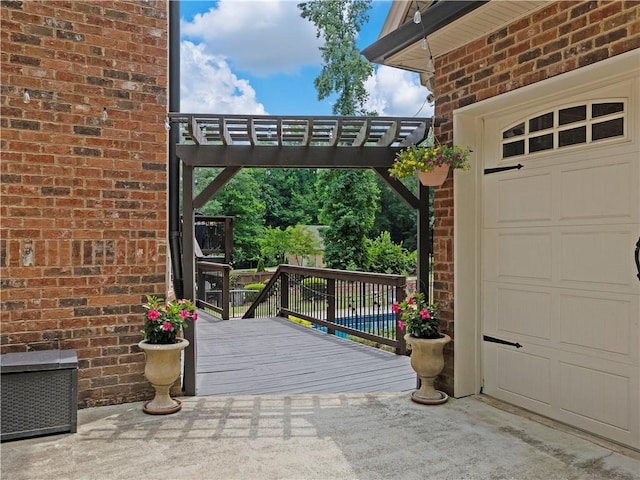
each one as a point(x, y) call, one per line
point(420, 321)
point(162, 347)
point(432, 163)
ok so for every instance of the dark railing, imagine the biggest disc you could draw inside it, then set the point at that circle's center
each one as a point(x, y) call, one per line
point(355, 304)
point(212, 287)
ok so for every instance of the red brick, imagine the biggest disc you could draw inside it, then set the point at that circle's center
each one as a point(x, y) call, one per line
point(61, 195)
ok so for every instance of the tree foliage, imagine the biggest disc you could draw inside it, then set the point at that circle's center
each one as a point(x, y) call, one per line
point(345, 70)
point(396, 217)
point(385, 256)
point(302, 243)
point(240, 198)
point(289, 196)
point(350, 202)
point(349, 196)
point(273, 245)
point(298, 241)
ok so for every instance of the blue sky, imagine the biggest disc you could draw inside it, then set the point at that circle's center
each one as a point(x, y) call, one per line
point(261, 57)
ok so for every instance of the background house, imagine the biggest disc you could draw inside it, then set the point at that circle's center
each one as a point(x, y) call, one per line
point(84, 192)
point(539, 255)
point(315, 260)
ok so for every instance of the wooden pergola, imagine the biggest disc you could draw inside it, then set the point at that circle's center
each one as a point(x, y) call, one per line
point(232, 142)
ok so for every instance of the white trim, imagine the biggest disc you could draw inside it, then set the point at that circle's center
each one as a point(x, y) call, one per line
point(468, 130)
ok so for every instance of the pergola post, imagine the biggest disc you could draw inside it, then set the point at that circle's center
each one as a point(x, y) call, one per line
point(189, 274)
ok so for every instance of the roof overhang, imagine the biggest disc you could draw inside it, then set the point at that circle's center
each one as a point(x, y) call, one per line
point(436, 16)
point(447, 24)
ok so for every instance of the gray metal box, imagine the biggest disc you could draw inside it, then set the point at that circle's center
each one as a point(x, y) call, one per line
point(39, 393)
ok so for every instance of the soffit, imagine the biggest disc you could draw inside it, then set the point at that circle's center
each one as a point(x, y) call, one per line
point(478, 23)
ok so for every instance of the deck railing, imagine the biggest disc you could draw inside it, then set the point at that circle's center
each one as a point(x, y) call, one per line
point(340, 302)
point(212, 287)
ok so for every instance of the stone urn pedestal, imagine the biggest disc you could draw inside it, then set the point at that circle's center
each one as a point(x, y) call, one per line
point(162, 369)
point(427, 360)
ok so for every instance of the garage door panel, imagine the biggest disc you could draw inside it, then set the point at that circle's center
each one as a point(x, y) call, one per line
point(596, 395)
point(517, 201)
point(598, 193)
point(608, 325)
point(523, 312)
point(598, 257)
point(523, 255)
point(509, 379)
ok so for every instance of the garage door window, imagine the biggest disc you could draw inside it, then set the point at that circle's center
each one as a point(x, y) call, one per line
point(563, 127)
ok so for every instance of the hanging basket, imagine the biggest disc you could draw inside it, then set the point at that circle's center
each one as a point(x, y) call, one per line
point(435, 177)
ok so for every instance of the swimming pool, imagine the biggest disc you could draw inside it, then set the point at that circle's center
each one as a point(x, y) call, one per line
point(375, 324)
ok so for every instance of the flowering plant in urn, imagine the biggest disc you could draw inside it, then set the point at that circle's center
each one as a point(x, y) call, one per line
point(166, 319)
point(416, 317)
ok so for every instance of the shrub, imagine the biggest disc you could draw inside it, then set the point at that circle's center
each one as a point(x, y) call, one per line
point(254, 291)
point(384, 256)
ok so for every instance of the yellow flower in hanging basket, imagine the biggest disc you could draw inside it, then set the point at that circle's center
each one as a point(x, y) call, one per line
point(424, 159)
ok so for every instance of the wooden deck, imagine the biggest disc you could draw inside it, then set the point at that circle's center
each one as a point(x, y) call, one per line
point(276, 356)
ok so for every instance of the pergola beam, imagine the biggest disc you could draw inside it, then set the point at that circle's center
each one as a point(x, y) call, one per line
point(268, 156)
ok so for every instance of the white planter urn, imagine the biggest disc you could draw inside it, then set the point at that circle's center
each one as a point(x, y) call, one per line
point(162, 369)
point(427, 360)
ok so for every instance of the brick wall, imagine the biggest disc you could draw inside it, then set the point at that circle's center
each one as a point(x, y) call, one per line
point(558, 38)
point(83, 199)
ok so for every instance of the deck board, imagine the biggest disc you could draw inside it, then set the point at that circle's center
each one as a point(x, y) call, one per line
point(275, 356)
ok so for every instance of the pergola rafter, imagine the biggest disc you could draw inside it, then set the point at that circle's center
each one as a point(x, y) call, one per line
point(232, 142)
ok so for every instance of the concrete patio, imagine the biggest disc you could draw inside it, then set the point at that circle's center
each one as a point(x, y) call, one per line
point(327, 436)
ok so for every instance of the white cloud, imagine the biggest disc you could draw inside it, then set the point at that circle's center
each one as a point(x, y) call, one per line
point(259, 37)
point(207, 85)
point(395, 92)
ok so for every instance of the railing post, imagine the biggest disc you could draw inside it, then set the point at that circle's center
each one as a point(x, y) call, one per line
point(331, 303)
point(284, 292)
point(226, 294)
point(401, 348)
point(200, 284)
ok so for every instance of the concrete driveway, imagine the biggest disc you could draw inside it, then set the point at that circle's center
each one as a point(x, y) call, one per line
point(305, 437)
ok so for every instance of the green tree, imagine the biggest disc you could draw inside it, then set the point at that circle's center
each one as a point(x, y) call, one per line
point(302, 243)
point(345, 70)
point(289, 196)
point(273, 245)
point(396, 217)
point(349, 197)
point(349, 210)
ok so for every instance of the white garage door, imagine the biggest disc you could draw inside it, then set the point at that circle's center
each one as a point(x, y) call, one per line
point(559, 276)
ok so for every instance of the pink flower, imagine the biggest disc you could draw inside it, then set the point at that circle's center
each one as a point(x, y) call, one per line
point(424, 313)
point(410, 301)
point(401, 325)
point(395, 307)
point(166, 326)
point(153, 315)
point(194, 316)
point(184, 314)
